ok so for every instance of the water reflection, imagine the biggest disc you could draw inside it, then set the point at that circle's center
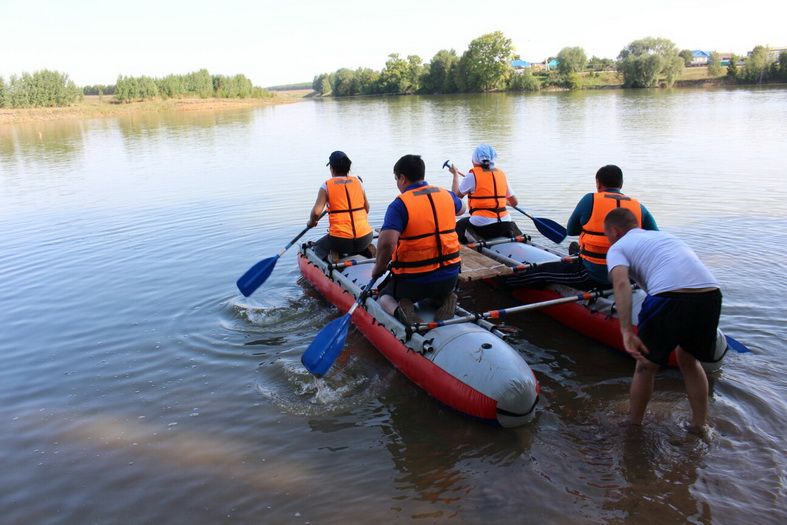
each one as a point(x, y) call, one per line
point(56, 143)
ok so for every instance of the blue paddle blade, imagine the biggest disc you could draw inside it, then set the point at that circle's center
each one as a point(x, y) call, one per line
point(736, 345)
point(327, 346)
point(550, 229)
point(256, 275)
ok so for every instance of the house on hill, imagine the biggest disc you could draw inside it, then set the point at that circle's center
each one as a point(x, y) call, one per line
point(520, 64)
point(699, 57)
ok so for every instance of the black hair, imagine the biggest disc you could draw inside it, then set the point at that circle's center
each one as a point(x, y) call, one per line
point(342, 166)
point(411, 166)
point(485, 164)
point(621, 218)
point(610, 176)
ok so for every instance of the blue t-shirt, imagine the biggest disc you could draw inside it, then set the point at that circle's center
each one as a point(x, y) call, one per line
point(396, 218)
point(581, 216)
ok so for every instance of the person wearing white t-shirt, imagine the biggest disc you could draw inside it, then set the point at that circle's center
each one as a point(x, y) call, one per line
point(681, 311)
point(488, 193)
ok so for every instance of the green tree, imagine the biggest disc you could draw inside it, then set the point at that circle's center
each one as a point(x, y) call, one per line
point(2, 93)
point(367, 81)
point(441, 72)
point(756, 67)
point(343, 83)
point(600, 64)
point(401, 75)
point(571, 60)
point(687, 56)
point(714, 64)
point(732, 69)
point(783, 65)
point(486, 65)
point(645, 62)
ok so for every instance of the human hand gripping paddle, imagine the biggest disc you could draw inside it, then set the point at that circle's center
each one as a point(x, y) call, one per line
point(547, 227)
point(329, 343)
point(259, 273)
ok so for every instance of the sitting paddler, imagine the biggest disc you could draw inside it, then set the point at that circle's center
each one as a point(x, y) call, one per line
point(349, 232)
point(488, 193)
point(681, 311)
point(418, 238)
point(589, 270)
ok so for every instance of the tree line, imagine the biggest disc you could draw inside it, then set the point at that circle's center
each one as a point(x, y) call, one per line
point(51, 88)
point(40, 89)
point(199, 84)
point(486, 65)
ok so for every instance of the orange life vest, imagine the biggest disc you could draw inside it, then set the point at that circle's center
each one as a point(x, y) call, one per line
point(489, 197)
point(593, 244)
point(429, 241)
point(347, 215)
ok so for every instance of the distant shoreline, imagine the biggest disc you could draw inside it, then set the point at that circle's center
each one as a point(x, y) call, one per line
point(94, 106)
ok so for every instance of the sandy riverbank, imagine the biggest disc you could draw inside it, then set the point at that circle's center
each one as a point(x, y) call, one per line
point(97, 107)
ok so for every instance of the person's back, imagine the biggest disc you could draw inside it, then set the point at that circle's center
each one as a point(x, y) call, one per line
point(660, 262)
point(349, 231)
point(419, 240)
point(488, 193)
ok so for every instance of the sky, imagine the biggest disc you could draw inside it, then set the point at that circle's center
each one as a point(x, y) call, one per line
point(281, 42)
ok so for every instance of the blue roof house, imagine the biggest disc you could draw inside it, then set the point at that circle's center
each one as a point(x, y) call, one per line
point(700, 58)
point(520, 64)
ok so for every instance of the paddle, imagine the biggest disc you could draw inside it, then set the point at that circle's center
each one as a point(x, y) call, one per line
point(736, 345)
point(499, 314)
point(547, 227)
point(329, 343)
point(259, 273)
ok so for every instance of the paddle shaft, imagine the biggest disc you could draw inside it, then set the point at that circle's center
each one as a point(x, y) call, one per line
point(351, 262)
point(303, 232)
point(499, 314)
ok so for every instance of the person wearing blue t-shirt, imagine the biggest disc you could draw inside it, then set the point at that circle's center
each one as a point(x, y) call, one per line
point(418, 238)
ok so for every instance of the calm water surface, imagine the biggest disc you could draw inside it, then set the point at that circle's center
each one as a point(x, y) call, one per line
point(138, 386)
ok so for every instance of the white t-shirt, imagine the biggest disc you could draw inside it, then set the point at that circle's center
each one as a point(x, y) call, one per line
point(659, 262)
point(467, 185)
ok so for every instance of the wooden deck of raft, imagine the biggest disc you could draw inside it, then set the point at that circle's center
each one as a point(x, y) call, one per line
point(476, 266)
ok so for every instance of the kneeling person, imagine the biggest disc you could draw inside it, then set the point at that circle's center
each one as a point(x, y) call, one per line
point(418, 238)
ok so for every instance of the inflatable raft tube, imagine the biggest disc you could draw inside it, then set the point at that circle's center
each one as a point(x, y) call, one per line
point(464, 366)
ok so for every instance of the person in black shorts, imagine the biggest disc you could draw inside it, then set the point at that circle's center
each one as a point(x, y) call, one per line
point(681, 311)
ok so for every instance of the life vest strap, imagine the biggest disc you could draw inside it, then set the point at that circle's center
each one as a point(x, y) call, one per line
point(425, 262)
point(351, 210)
point(425, 235)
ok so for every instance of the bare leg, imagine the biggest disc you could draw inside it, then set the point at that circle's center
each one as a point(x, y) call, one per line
point(641, 389)
point(696, 387)
point(388, 303)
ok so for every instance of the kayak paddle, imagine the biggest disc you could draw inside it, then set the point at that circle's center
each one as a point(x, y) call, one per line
point(736, 345)
point(259, 273)
point(329, 343)
point(547, 227)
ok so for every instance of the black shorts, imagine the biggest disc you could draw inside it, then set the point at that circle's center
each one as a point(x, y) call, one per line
point(341, 245)
point(402, 288)
point(688, 320)
point(490, 231)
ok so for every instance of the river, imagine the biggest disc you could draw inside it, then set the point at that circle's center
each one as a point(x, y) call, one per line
point(138, 386)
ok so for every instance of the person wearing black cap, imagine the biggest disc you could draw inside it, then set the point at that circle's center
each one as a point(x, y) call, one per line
point(349, 232)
